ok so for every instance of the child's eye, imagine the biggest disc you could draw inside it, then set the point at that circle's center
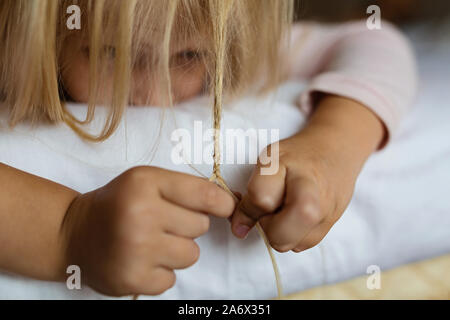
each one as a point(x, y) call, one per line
point(184, 58)
point(109, 52)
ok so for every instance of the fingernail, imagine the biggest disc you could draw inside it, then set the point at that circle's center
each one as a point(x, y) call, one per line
point(242, 230)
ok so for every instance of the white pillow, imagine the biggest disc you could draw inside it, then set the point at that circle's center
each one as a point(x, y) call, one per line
point(385, 224)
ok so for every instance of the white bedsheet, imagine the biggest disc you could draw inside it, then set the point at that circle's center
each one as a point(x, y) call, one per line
point(400, 211)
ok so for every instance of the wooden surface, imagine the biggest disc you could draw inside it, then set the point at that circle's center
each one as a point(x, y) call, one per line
point(429, 279)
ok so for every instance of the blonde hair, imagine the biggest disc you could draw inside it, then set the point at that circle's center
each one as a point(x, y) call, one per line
point(34, 33)
point(242, 40)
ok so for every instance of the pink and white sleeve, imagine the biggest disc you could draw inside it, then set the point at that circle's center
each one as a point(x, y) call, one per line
point(377, 68)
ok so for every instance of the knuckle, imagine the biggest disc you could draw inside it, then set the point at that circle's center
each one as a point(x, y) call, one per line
point(138, 175)
point(261, 199)
point(310, 212)
point(135, 173)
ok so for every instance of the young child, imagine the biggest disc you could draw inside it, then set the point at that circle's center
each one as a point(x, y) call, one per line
point(130, 235)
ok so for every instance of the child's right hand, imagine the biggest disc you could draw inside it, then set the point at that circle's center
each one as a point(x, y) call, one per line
point(128, 236)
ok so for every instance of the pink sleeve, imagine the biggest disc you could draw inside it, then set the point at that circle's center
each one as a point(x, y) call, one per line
point(374, 67)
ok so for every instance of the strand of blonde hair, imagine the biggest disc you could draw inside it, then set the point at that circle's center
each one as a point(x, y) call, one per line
point(216, 177)
point(220, 38)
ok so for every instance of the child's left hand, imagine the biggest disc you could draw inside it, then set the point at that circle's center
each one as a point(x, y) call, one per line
point(318, 169)
point(298, 205)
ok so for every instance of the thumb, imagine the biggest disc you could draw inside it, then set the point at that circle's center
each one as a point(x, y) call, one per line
point(264, 195)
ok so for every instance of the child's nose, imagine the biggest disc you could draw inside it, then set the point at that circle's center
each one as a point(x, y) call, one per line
point(146, 93)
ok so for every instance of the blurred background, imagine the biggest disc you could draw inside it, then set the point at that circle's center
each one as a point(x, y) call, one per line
point(398, 11)
point(427, 25)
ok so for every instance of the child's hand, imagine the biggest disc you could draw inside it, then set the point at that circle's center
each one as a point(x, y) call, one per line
point(318, 168)
point(297, 206)
point(129, 236)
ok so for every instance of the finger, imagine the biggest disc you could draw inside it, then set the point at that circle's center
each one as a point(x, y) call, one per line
point(241, 224)
point(264, 195)
point(238, 196)
point(313, 238)
point(179, 253)
point(197, 194)
point(154, 283)
point(299, 215)
point(182, 222)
